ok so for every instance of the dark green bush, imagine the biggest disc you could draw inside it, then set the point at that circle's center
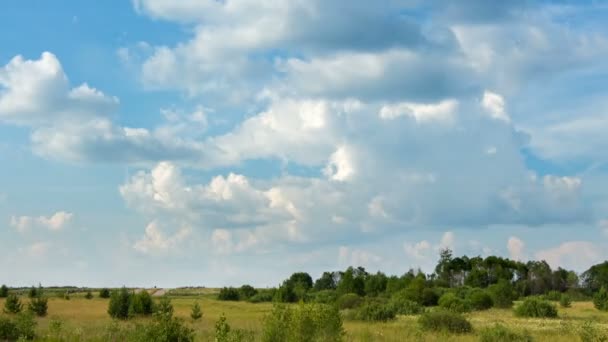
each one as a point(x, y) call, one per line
point(480, 299)
point(89, 295)
point(600, 299)
point(163, 328)
point(142, 303)
point(104, 293)
point(196, 313)
point(39, 306)
point(120, 304)
point(8, 329)
point(536, 307)
point(3, 291)
point(262, 296)
point(325, 297)
point(375, 312)
point(12, 304)
point(164, 307)
point(349, 301)
point(451, 302)
point(429, 297)
point(246, 292)
point(502, 294)
point(21, 326)
point(444, 321)
point(500, 333)
point(228, 293)
point(402, 305)
point(553, 295)
point(564, 301)
point(32, 292)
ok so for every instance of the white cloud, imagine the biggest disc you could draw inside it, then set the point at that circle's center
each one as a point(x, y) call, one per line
point(155, 241)
point(577, 255)
point(495, 105)
point(516, 248)
point(418, 250)
point(447, 240)
point(55, 222)
point(442, 111)
point(356, 257)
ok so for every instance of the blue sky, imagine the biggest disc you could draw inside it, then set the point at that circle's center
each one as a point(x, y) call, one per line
point(155, 142)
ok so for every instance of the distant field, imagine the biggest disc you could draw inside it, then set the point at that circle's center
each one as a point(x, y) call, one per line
point(89, 319)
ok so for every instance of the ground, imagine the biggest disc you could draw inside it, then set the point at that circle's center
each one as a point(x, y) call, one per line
point(89, 319)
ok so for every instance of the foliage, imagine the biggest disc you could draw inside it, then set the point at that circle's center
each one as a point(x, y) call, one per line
point(325, 297)
point(502, 294)
point(163, 328)
point(266, 295)
point(451, 302)
point(402, 305)
point(3, 291)
point(596, 277)
point(142, 303)
point(246, 292)
point(285, 294)
point(500, 333)
point(228, 293)
point(120, 302)
point(600, 299)
point(553, 295)
point(480, 299)
point(444, 321)
point(590, 332)
point(22, 326)
point(89, 295)
point(196, 312)
point(305, 322)
point(565, 301)
point(349, 301)
point(536, 307)
point(12, 304)
point(39, 305)
point(327, 281)
point(104, 293)
point(32, 293)
point(376, 312)
point(224, 333)
point(164, 307)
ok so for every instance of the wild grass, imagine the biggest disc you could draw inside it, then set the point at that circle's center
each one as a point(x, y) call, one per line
point(88, 320)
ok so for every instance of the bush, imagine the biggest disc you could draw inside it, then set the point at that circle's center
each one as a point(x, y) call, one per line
point(502, 294)
point(164, 307)
point(23, 326)
point(500, 333)
point(375, 312)
point(89, 295)
point(600, 299)
point(12, 304)
point(224, 333)
point(305, 322)
point(480, 299)
point(163, 328)
point(196, 312)
point(589, 332)
point(120, 303)
point(325, 297)
point(142, 303)
point(39, 306)
point(535, 307)
point(228, 293)
point(263, 296)
point(104, 293)
point(564, 301)
point(349, 301)
point(66, 295)
point(444, 321)
point(404, 306)
point(451, 302)
point(553, 295)
point(32, 293)
point(3, 291)
point(246, 292)
point(429, 297)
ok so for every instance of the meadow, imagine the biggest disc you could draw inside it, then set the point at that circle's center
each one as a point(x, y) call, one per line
point(81, 319)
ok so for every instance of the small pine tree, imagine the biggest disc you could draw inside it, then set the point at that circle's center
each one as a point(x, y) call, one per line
point(120, 304)
point(3, 291)
point(196, 313)
point(32, 293)
point(104, 293)
point(222, 329)
point(39, 304)
point(89, 295)
point(164, 307)
point(12, 305)
point(600, 300)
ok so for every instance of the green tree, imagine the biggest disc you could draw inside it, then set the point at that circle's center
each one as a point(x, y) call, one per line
point(12, 304)
point(104, 293)
point(600, 299)
point(39, 304)
point(89, 295)
point(228, 293)
point(164, 306)
point(3, 291)
point(247, 291)
point(120, 303)
point(32, 293)
point(327, 281)
point(502, 294)
point(196, 312)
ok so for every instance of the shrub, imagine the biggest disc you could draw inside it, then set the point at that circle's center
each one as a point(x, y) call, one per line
point(349, 301)
point(429, 297)
point(564, 301)
point(444, 321)
point(263, 296)
point(12, 304)
point(246, 292)
point(553, 295)
point(164, 307)
point(66, 295)
point(500, 333)
point(535, 307)
point(196, 312)
point(3, 291)
point(89, 295)
point(228, 293)
point(305, 322)
point(120, 303)
point(325, 297)
point(32, 293)
point(404, 306)
point(589, 332)
point(502, 294)
point(480, 299)
point(164, 327)
point(451, 302)
point(375, 312)
point(39, 306)
point(142, 303)
point(224, 333)
point(23, 326)
point(104, 293)
point(600, 299)
point(285, 294)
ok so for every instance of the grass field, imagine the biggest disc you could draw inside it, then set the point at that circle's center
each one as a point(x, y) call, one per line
point(88, 320)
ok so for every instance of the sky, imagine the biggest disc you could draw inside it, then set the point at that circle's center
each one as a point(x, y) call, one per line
point(211, 143)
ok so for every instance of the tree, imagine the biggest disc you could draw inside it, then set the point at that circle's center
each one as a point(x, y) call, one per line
point(326, 282)
point(502, 294)
point(228, 293)
point(352, 281)
point(12, 305)
point(164, 307)
point(3, 291)
point(247, 291)
point(89, 295)
point(32, 293)
point(196, 312)
point(301, 278)
point(443, 267)
point(600, 299)
point(596, 277)
point(120, 303)
point(39, 304)
point(375, 284)
point(104, 293)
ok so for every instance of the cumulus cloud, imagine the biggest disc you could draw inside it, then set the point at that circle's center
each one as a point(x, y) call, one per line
point(155, 241)
point(577, 255)
point(516, 248)
point(348, 256)
point(55, 222)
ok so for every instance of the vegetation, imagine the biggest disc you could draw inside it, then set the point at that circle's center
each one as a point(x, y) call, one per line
point(565, 301)
point(229, 293)
point(600, 300)
point(445, 321)
point(104, 293)
point(21, 327)
point(536, 307)
point(196, 312)
point(89, 295)
point(12, 304)
point(500, 333)
point(304, 322)
point(3, 291)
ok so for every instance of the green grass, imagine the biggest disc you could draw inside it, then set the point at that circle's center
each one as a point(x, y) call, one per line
point(88, 318)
